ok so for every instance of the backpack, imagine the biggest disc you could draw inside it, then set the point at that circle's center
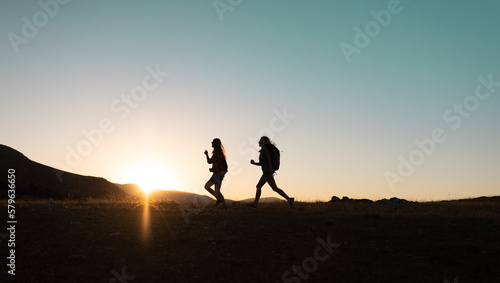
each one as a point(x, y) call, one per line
point(275, 156)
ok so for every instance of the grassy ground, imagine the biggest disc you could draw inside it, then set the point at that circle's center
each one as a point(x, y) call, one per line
point(110, 241)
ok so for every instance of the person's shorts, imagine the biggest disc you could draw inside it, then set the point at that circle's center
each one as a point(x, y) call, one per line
point(268, 174)
point(217, 177)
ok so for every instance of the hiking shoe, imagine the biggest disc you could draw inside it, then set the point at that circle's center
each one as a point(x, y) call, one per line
point(291, 201)
point(251, 204)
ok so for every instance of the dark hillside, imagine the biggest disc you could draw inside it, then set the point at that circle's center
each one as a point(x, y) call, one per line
point(35, 179)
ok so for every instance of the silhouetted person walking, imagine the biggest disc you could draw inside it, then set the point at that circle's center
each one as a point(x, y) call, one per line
point(268, 169)
point(219, 169)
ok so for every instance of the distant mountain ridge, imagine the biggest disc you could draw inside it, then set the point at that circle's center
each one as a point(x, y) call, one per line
point(162, 195)
point(178, 196)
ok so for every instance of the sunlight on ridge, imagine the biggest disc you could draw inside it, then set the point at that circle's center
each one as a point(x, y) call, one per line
point(150, 176)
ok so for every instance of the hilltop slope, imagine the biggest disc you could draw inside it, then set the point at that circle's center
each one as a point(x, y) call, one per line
point(39, 180)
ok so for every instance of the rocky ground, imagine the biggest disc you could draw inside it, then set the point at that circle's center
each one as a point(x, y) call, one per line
point(341, 241)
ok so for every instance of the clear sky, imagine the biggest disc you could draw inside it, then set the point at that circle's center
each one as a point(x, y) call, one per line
point(366, 99)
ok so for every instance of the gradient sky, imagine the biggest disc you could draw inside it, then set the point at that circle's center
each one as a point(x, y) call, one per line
point(346, 122)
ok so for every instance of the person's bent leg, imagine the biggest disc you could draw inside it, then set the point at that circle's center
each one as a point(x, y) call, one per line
point(210, 190)
point(219, 196)
point(259, 186)
point(275, 188)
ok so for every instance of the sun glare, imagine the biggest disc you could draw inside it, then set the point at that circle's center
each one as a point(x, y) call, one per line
point(150, 177)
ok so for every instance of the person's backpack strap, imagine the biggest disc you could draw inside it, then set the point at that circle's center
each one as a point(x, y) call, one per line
point(275, 157)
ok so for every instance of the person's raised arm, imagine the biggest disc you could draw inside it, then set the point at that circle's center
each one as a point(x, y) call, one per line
point(255, 163)
point(209, 160)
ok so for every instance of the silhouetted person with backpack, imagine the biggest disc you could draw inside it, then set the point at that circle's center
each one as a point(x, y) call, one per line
point(269, 159)
point(219, 169)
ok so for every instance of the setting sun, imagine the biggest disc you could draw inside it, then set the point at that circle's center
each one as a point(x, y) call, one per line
point(150, 176)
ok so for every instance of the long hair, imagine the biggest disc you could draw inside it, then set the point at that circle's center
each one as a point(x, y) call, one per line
point(267, 142)
point(218, 147)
